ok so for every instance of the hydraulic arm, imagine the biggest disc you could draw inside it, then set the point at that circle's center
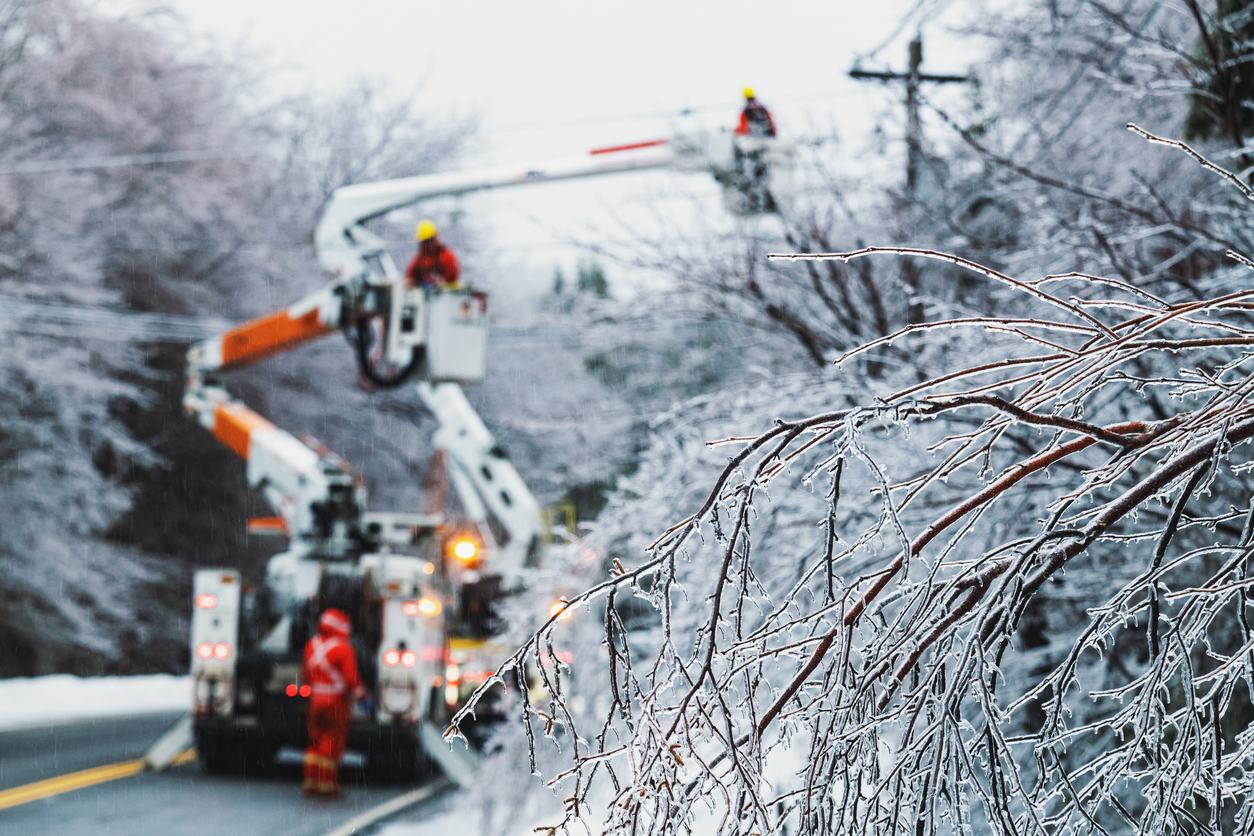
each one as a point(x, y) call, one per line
point(323, 507)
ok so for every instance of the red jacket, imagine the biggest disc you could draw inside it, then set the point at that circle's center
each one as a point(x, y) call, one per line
point(755, 120)
point(330, 664)
point(434, 265)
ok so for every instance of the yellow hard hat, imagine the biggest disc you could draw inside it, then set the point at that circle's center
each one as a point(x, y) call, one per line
point(426, 231)
point(748, 92)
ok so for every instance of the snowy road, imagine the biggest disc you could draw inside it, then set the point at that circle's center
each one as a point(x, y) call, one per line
point(183, 800)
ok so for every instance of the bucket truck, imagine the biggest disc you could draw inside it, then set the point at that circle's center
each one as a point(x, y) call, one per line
point(419, 590)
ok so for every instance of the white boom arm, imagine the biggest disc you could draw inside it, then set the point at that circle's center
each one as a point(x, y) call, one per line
point(486, 480)
point(343, 244)
point(322, 506)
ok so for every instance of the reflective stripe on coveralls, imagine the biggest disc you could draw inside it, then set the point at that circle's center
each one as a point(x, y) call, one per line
point(320, 664)
point(331, 669)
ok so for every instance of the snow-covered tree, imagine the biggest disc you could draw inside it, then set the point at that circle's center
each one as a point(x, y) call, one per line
point(991, 574)
point(849, 632)
point(143, 170)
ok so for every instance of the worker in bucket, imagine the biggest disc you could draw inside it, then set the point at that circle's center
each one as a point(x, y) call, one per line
point(751, 172)
point(434, 265)
point(755, 119)
point(330, 669)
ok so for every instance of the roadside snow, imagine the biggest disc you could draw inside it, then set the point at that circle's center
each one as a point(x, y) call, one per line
point(63, 698)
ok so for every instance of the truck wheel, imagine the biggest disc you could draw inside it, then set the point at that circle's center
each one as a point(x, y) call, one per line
point(215, 755)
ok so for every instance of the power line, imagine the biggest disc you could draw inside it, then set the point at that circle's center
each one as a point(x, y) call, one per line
point(639, 116)
point(210, 154)
point(84, 322)
point(123, 160)
point(71, 320)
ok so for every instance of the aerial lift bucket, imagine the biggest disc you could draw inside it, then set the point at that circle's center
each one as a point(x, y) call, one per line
point(457, 336)
point(448, 327)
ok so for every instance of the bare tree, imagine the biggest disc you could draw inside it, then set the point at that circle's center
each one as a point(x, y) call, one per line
point(886, 672)
point(143, 169)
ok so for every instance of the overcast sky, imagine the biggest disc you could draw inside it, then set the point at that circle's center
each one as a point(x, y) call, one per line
point(556, 77)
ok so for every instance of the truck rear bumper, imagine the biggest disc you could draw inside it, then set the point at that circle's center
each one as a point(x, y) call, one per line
point(231, 746)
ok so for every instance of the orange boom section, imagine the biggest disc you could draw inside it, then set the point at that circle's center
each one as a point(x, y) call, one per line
point(267, 525)
point(260, 338)
point(233, 424)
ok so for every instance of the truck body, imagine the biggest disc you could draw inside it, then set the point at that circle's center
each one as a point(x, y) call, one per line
point(411, 583)
point(419, 589)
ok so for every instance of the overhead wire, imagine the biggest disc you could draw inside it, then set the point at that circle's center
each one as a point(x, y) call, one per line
point(917, 16)
point(245, 152)
point(640, 116)
point(91, 322)
point(123, 160)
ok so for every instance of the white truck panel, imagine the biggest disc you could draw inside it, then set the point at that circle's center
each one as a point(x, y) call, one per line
point(404, 689)
point(214, 638)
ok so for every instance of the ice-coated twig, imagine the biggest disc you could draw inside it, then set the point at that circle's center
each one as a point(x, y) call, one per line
point(885, 627)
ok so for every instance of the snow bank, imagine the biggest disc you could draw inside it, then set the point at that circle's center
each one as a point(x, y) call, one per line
point(63, 698)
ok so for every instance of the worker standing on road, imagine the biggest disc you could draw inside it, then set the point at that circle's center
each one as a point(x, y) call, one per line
point(434, 265)
point(330, 669)
point(755, 119)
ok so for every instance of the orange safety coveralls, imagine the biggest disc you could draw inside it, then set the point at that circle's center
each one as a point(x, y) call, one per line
point(330, 669)
point(434, 265)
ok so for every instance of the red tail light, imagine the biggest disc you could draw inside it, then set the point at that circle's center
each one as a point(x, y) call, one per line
point(291, 690)
point(206, 600)
point(205, 650)
point(305, 690)
point(408, 658)
point(222, 651)
point(392, 658)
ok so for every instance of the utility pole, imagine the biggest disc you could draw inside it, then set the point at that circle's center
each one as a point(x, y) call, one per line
point(914, 128)
point(913, 78)
point(914, 149)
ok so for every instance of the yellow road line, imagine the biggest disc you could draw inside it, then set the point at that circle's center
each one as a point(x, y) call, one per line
point(74, 781)
point(185, 756)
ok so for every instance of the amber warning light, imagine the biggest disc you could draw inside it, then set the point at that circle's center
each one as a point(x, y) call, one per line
point(465, 549)
point(426, 606)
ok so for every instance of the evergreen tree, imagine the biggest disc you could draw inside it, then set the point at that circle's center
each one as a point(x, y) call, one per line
point(1222, 108)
